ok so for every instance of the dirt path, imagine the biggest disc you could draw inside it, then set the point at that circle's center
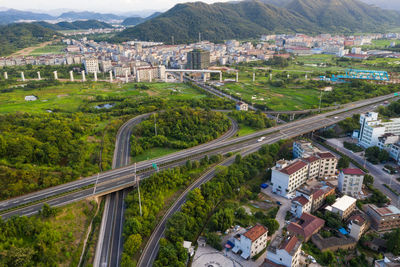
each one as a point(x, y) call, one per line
point(27, 51)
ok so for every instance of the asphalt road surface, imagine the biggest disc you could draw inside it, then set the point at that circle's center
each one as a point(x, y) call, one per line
point(122, 177)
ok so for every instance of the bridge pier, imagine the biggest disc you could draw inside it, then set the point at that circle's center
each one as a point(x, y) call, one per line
point(55, 75)
point(6, 75)
point(126, 76)
point(305, 76)
point(22, 76)
point(292, 117)
point(181, 77)
point(95, 76)
point(270, 76)
point(38, 76)
point(83, 76)
point(204, 78)
point(220, 77)
point(254, 77)
point(71, 76)
point(150, 76)
point(137, 77)
point(237, 77)
point(111, 76)
point(277, 118)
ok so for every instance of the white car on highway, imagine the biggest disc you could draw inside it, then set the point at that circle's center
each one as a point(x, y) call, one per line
point(261, 139)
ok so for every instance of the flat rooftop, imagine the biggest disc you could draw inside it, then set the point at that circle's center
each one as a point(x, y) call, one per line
point(344, 203)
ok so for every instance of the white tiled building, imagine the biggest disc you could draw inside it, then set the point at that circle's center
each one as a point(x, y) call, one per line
point(91, 65)
point(372, 128)
point(343, 206)
point(252, 242)
point(284, 251)
point(350, 182)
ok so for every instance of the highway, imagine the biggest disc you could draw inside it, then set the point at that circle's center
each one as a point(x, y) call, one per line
point(122, 177)
point(109, 244)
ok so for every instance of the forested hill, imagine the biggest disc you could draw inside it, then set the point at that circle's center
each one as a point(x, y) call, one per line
point(14, 37)
point(76, 25)
point(251, 18)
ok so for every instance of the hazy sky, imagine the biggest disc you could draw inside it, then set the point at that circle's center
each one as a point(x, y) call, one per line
point(120, 6)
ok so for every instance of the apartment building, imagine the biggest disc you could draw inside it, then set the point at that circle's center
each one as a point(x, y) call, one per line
point(384, 219)
point(358, 225)
point(284, 251)
point(91, 65)
point(252, 242)
point(303, 149)
point(343, 206)
point(372, 128)
point(150, 73)
point(350, 182)
point(300, 204)
point(287, 176)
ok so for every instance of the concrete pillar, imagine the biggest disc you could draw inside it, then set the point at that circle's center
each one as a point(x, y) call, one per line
point(22, 76)
point(237, 77)
point(270, 76)
point(150, 76)
point(83, 76)
point(305, 76)
point(254, 77)
point(204, 78)
point(126, 76)
point(71, 76)
point(166, 77)
point(55, 75)
point(137, 77)
point(220, 77)
point(181, 77)
point(6, 75)
point(288, 76)
point(111, 77)
point(38, 76)
point(95, 76)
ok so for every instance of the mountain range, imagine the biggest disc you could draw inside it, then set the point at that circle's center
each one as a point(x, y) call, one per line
point(251, 18)
point(132, 21)
point(75, 25)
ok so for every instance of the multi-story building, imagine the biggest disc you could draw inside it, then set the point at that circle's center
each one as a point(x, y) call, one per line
point(287, 176)
point(343, 206)
point(303, 149)
point(91, 65)
point(284, 251)
point(372, 128)
point(300, 204)
point(252, 242)
point(350, 182)
point(358, 225)
point(145, 74)
point(198, 59)
point(385, 218)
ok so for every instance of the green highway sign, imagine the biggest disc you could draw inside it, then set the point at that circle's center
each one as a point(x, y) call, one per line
point(154, 166)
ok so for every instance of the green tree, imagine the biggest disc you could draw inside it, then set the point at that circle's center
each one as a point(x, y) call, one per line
point(272, 225)
point(368, 179)
point(214, 240)
point(393, 242)
point(328, 257)
point(343, 163)
point(330, 199)
point(132, 244)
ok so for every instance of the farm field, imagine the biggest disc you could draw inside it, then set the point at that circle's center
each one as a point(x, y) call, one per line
point(48, 49)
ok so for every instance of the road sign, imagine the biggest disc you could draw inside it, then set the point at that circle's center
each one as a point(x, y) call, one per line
point(155, 166)
point(396, 94)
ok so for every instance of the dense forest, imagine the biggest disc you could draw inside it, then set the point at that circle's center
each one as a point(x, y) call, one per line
point(14, 37)
point(257, 120)
point(178, 128)
point(248, 19)
point(38, 151)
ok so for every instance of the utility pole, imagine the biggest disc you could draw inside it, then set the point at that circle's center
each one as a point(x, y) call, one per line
point(320, 100)
point(138, 188)
point(172, 37)
point(155, 124)
point(95, 185)
point(199, 37)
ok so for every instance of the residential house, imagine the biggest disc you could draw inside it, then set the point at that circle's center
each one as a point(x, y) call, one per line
point(306, 226)
point(385, 218)
point(284, 251)
point(350, 181)
point(251, 242)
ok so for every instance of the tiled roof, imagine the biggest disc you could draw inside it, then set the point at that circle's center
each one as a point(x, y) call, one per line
point(311, 159)
point(294, 167)
point(302, 200)
point(325, 155)
point(255, 232)
point(289, 244)
point(306, 226)
point(357, 218)
point(269, 263)
point(317, 194)
point(353, 171)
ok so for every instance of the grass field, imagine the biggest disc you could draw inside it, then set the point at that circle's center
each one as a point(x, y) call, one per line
point(153, 153)
point(48, 49)
point(276, 98)
point(72, 221)
point(245, 130)
point(68, 97)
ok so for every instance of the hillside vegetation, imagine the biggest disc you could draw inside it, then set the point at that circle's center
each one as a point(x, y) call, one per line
point(14, 37)
point(76, 25)
point(249, 19)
